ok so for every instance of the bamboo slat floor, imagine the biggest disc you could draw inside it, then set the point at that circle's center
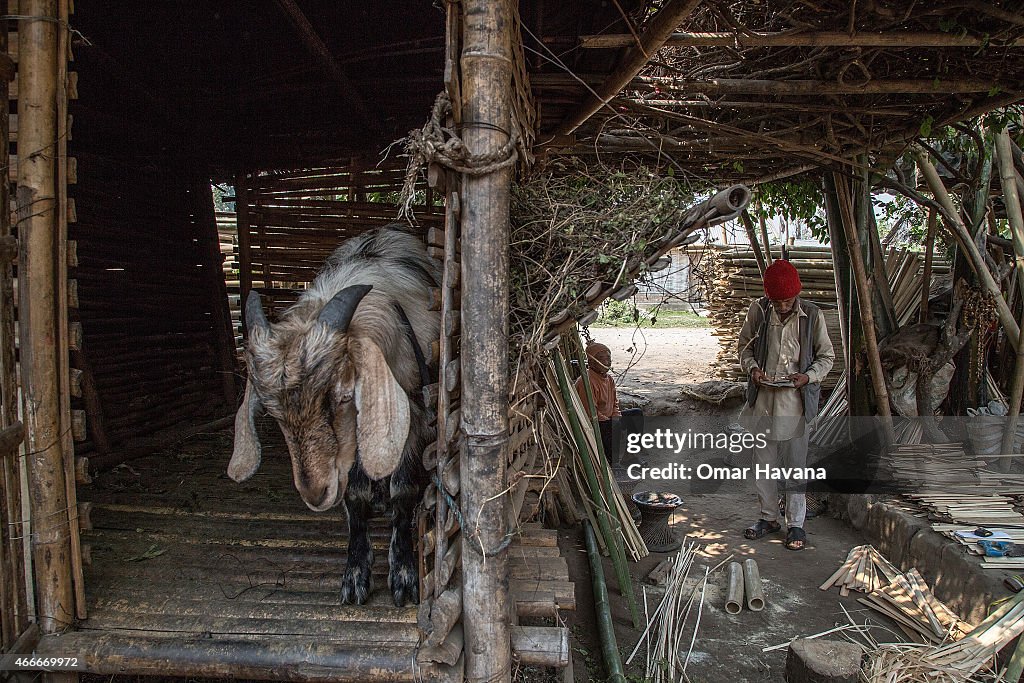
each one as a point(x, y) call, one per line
point(218, 578)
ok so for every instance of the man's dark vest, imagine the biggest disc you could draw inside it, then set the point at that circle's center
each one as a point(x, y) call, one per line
point(810, 392)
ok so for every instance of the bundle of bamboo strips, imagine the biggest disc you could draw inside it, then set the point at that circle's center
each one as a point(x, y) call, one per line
point(865, 570)
point(666, 630)
point(594, 495)
point(598, 490)
point(903, 597)
point(960, 660)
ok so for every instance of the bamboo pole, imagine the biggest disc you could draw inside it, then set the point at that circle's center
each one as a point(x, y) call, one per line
point(37, 225)
point(220, 314)
point(446, 351)
point(244, 246)
point(929, 255)
point(63, 359)
point(1008, 178)
point(486, 63)
point(767, 242)
point(891, 39)
point(864, 297)
point(605, 627)
point(734, 594)
point(967, 244)
point(12, 554)
point(748, 225)
point(668, 18)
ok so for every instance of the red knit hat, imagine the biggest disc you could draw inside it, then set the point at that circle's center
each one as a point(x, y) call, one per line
point(781, 281)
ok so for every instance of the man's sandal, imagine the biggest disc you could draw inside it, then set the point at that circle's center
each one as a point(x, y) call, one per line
point(796, 538)
point(761, 529)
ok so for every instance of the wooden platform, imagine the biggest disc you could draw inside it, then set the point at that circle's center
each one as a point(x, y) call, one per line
point(191, 574)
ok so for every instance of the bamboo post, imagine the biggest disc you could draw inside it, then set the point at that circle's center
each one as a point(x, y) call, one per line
point(1008, 178)
point(486, 63)
point(11, 554)
point(38, 231)
point(864, 297)
point(929, 255)
point(967, 244)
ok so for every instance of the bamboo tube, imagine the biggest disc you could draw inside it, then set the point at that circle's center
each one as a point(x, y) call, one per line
point(606, 630)
point(1008, 179)
point(487, 75)
point(734, 595)
point(752, 586)
point(964, 240)
point(864, 297)
point(37, 224)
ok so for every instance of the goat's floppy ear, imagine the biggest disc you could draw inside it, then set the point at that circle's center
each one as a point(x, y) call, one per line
point(245, 459)
point(382, 422)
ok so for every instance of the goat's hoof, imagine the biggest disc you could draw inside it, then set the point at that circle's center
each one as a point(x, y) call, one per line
point(356, 585)
point(405, 585)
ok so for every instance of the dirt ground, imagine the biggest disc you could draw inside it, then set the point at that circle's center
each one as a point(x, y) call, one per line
point(728, 648)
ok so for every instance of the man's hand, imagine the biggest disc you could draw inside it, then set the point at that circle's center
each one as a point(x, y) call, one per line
point(799, 379)
point(757, 375)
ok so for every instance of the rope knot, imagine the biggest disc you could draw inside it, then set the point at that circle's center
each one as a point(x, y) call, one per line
point(435, 143)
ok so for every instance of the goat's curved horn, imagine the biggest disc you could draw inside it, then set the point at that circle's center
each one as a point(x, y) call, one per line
point(254, 315)
point(338, 311)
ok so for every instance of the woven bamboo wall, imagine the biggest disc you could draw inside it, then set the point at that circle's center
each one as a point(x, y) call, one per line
point(153, 325)
point(290, 222)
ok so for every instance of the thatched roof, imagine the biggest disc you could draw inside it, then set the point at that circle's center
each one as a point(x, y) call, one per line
point(758, 88)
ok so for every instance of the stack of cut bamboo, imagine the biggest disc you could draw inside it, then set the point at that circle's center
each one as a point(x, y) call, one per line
point(903, 597)
point(865, 570)
point(737, 282)
point(958, 660)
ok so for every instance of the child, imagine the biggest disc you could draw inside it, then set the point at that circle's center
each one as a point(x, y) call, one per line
point(599, 361)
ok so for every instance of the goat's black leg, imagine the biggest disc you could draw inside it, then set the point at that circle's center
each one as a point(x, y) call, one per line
point(358, 580)
point(406, 487)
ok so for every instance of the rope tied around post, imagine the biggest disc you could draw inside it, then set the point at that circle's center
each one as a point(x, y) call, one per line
point(473, 534)
point(436, 143)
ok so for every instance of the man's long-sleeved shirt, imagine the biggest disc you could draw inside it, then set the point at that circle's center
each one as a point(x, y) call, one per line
point(783, 358)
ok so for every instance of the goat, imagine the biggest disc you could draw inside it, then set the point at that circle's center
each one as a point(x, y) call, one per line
point(342, 373)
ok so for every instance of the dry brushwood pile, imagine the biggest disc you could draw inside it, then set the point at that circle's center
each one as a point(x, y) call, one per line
point(573, 226)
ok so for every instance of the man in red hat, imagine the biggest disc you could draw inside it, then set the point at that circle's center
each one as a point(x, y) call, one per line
point(785, 352)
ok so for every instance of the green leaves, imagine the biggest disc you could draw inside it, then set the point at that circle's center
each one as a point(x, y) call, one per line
point(926, 126)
